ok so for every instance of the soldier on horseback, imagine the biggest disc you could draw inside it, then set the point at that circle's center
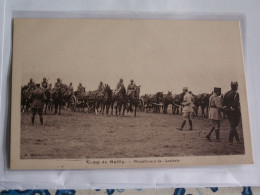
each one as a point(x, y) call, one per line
point(119, 85)
point(58, 84)
point(81, 88)
point(31, 84)
point(70, 88)
point(44, 83)
point(130, 88)
point(101, 86)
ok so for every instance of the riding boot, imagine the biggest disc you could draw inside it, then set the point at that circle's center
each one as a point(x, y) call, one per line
point(209, 134)
point(182, 126)
point(217, 135)
point(190, 122)
point(41, 119)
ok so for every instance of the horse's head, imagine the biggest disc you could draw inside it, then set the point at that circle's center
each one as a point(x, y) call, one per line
point(137, 91)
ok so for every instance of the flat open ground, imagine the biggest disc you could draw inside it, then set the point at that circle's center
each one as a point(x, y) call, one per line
point(84, 135)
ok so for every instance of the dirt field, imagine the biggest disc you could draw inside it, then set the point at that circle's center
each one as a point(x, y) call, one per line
point(83, 135)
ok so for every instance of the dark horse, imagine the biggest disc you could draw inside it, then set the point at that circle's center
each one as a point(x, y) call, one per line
point(48, 94)
point(25, 101)
point(121, 101)
point(94, 98)
point(58, 98)
point(176, 104)
point(111, 97)
point(133, 100)
point(203, 102)
point(157, 100)
point(167, 99)
point(107, 99)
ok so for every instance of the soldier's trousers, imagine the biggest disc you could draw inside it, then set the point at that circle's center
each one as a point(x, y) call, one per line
point(234, 119)
point(34, 112)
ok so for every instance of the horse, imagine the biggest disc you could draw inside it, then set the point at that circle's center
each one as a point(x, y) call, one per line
point(203, 102)
point(107, 99)
point(58, 100)
point(167, 99)
point(47, 102)
point(122, 101)
point(25, 101)
point(176, 104)
point(133, 100)
point(94, 98)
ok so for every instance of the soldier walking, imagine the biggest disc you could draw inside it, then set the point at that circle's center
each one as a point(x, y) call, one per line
point(187, 108)
point(37, 97)
point(232, 108)
point(215, 107)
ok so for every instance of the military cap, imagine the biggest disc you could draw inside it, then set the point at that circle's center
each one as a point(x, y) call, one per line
point(217, 89)
point(185, 88)
point(38, 85)
point(58, 79)
point(234, 83)
point(70, 83)
point(121, 80)
point(131, 80)
point(44, 78)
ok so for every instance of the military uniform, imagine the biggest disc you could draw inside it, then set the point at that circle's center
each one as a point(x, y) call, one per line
point(38, 97)
point(215, 105)
point(119, 85)
point(130, 88)
point(187, 110)
point(58, 84)
point(70, 88)
point(31, 84)
point(232, 108)
point(101, 87)
point(80, 88)
point(44, 84)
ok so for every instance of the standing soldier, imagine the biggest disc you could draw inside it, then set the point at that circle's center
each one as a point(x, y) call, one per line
point(187, 108)
point(215, 106)
point(44, 83)
point(101, 86)
point(232, 108)
point(37, 97)
point(130, 87)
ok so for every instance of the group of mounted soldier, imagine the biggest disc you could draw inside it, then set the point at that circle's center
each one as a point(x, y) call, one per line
point(217, 104)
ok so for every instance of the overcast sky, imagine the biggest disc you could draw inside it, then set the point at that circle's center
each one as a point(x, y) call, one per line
point(158, 55)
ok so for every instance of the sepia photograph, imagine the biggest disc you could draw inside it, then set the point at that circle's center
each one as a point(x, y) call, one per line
point(124, 93)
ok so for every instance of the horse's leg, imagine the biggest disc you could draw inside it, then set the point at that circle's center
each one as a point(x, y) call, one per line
point(59, 108)
point(95, 107)
point(107, 108)
point(55, 107)
point(135, 110)
point(112, 108)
